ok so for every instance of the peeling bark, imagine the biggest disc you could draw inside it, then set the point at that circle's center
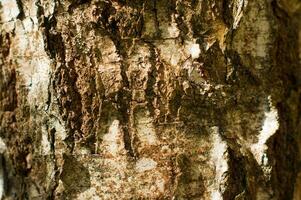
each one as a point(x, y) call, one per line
point(163, 99)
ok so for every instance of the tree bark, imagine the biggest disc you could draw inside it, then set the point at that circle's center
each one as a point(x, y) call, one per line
point(150, 99)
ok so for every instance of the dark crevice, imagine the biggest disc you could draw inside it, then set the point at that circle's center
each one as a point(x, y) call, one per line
point(4, 177)
point(21, 14)
point(181, 25)
point(284, 151)
point(283, 145)
point(76, 3)
point(157, 23)
point(151, 80)
point(123, 96)
point(75, 177)
point(70, 99)
point(64, 88)
point(52, 47)
point(236, 183)
point(227, 12)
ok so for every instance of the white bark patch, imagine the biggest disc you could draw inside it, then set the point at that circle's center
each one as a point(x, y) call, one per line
point(108, 50)
point(168, 53)
point(45, 143)
point(259, 45)
point(34, 64)
point(2, 146)
point(145, 129)
point(2, 150)
point(160, 183)
point(48, 7)
point(269, 127)
point(9, 10)
point(238, 7)
point(30, 25)
point(262, 38)
point(218, 157)
point(262, 26)
point(145, 164)
point(169, 28)
point(60, 131)
point(113, 140)
point(194, 50)
point(38, 92)
point(173, 30)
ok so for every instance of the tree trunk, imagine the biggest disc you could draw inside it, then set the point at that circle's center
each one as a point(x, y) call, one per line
point(150, 99)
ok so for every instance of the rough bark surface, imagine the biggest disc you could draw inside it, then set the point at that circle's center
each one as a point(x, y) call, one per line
point(150, 99)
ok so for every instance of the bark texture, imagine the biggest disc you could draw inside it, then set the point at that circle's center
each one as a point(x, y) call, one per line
point(150, 99)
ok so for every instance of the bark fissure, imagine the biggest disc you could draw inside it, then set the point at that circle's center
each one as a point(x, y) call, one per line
point(163, 99)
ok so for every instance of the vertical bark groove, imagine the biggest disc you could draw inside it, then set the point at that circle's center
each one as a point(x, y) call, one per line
point(163, 99)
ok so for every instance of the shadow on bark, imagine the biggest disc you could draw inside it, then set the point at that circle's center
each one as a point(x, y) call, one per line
point(75, 176)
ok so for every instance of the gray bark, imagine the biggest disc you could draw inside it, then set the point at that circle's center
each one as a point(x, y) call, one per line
point(150, 99)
